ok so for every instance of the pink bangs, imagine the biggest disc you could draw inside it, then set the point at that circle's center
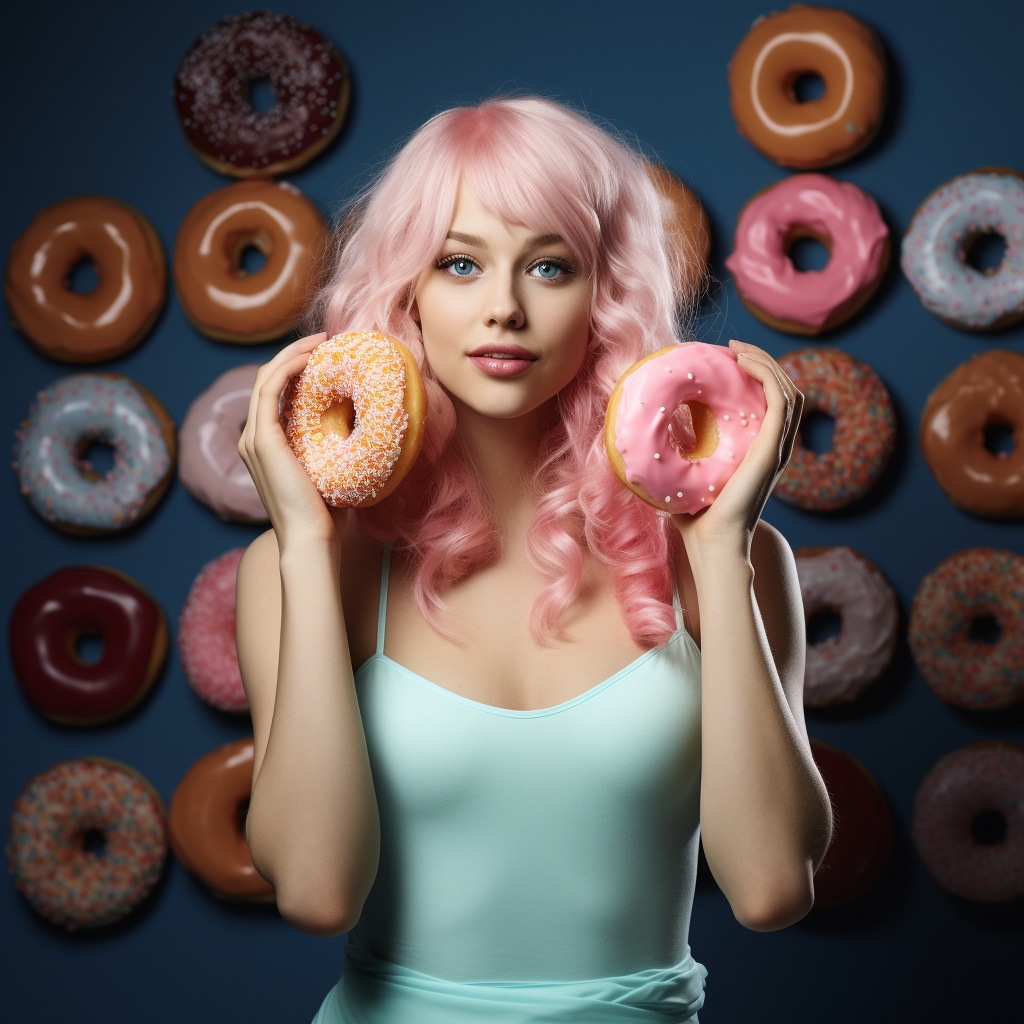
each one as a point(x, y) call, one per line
point(533, 162)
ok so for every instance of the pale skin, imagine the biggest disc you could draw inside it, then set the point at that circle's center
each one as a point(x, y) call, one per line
point(308, 591)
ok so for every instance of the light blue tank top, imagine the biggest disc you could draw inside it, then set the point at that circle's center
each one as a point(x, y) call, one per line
point(534, 865)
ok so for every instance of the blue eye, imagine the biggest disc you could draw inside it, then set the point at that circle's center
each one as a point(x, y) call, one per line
point(549, 270)
point(458, 266)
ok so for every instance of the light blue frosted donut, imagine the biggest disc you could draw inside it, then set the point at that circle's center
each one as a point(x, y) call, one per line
point(932, 256)
point(65, 417)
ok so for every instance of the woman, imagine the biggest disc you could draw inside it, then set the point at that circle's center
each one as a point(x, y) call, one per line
point(506, 820)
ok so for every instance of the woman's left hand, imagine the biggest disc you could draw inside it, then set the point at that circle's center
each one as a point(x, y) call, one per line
point(737, 509)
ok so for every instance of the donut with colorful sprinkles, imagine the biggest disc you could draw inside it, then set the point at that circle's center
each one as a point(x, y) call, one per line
point(354, 417)
point(65, 420)
point(206, 635)
point(211, 94)
point(968, 822)
point(847, 389)
point(936, 250)
point(88, 842)
point(967, 629)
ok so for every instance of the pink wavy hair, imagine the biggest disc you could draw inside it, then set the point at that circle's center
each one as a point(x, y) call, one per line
point(535, 162)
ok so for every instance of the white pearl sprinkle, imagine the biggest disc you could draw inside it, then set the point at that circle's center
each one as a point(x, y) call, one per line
point(689, 376)
point(703, 499)
point(711, 487)
point(726, 416)
point(743, 423)
point(662, 409)
point(657, 455)
point(679, 494)
point(668, 498)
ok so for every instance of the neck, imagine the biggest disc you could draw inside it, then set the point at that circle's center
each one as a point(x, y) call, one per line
point(505, 452)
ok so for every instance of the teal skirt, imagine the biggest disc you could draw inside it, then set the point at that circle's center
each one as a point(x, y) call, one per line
point(374, 991)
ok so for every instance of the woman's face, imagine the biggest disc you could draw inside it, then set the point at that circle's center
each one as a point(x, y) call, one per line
point(505, 314)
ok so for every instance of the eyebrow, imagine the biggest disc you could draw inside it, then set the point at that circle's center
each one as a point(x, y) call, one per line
point(458, 236)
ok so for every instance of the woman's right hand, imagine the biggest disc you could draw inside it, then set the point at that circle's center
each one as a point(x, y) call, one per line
point(291, 499)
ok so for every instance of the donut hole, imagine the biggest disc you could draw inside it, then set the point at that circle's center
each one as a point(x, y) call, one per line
point(83, 277)
point(693, 430)
point(94, 842)
point(807, 87)
point(242, 814)
point(822, 625)
point(261, 94)
point(998, 439)
point(339, 419)
point(984, 629)
point(94, 458)
point(807, 250)
point(249, 252)
point(984, 251)
point(989, 827)
point(817, 430)
point(86, 646)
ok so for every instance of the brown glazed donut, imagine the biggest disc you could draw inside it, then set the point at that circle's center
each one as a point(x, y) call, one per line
point(206, 824)
point(116, 315)
point(780, 48)
point(987, 390)
point(862, 835)
point(217, 295)
point(686, 225)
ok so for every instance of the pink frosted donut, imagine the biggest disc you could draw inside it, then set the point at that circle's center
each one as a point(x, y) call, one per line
point(206, 635)
point(968, 822)
point(679, 423)
point(87, 842)
point(844, 218)
point(209, 464)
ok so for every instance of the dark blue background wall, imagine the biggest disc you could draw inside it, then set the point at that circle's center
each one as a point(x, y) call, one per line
point(88, 110)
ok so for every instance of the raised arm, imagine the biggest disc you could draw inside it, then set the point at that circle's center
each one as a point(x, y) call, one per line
point(313, 827)
point(765, 813)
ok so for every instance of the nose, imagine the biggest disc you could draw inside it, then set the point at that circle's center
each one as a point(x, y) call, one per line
point(503, 308)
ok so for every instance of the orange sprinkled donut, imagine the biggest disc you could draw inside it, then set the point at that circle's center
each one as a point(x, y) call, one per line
point(354, 417)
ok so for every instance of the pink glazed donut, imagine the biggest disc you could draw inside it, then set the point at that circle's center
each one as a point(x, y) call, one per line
point(206, 635)
point(679, 423)
point(209, 464)
point(844, 218)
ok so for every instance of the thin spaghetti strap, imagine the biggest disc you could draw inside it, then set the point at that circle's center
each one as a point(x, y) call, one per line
point(677, 607)
point(382, 611)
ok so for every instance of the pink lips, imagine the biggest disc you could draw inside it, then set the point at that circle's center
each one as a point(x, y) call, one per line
point(502, 360)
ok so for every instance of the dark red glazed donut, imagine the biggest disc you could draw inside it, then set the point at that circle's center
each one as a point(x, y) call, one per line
point(46, 624)
point(211, 92)
point(862, 834)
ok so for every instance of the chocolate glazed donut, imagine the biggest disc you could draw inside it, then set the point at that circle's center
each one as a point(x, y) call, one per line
point(47, 623)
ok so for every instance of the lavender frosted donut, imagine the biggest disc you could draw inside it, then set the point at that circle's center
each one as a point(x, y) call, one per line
point(65, 419)
point(842, 667)
point(968, 822)
point(939, 239)
point(210, 466)
point(976, 584)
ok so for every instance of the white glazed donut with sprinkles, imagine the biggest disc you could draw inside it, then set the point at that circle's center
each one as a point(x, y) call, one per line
point(937, 245)
point(67, 417)
point(354, 417)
